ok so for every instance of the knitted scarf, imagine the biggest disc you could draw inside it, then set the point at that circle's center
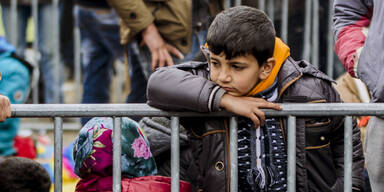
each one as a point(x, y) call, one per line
point(262, 158)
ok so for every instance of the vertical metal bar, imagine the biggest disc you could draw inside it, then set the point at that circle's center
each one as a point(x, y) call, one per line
point(348, 154)
point(116, 154)
point(233, 153)
point(36, 73)
point(237, 2)
point(13, 23)
point(284, 19)
point(315, 36)
point(175, 155)
point(77, 58)
point(227, 4)
point(271, 6)
point(330, 55)
point(307, 30)
point(56, 54)
point(291, 154)
point(58, 157)
point(262, 5)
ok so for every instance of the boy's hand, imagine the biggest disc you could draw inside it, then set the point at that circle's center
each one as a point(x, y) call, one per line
point(248, 107)
point(5, 108)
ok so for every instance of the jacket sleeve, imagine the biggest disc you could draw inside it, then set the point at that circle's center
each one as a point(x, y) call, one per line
point(183, 87)
point(134, 14)
point(350, 24)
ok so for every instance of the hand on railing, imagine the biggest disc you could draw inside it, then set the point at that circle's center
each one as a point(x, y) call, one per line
point(5, 108)
point(248, 107)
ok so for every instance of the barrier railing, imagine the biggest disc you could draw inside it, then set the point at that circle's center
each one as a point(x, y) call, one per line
point(59, 111)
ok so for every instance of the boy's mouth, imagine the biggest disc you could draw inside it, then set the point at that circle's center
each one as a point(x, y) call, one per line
point(228, 89)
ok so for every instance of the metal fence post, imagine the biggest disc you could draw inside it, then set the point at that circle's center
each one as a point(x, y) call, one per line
point(348, 154)
point(36, 71)
point(116, 154)
point(56, 52)
point(77, 54)
point(307, 31)
point(284, 19)
point(227, 4)
point(233, 153)
point(13, 37)
point(175, 155)
point(261, 5)
point(271, 11)
point(330, 54)
point(291, 154)
point(58, 157)
point(315, 32)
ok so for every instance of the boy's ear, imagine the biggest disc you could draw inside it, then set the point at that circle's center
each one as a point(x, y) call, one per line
point(266, 68)
point(205, 52)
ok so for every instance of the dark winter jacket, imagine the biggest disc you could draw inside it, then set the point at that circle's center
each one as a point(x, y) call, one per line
point(320, 149)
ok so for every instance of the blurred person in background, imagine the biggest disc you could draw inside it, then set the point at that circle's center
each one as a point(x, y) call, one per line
point(45, 36)
point(163, 33)
point(358, 32)
point(100, 46)
point(14, 88)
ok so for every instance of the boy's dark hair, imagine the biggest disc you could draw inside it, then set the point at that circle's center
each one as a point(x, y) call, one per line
point(23, 175)
point(242, 30)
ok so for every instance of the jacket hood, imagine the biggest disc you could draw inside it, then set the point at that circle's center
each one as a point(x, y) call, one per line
point(281, 53)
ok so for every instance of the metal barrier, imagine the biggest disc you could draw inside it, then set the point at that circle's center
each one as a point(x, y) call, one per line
point(59, 111)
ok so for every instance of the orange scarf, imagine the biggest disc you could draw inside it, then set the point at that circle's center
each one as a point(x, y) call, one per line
point(281, 53)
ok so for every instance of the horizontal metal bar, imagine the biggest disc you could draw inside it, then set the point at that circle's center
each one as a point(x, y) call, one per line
point(137, 110)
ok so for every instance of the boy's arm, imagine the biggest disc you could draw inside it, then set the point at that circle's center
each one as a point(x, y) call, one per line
point(350, 23)
point(172, 88)
point(180, 88)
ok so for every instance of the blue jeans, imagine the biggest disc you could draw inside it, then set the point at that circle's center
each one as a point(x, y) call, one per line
point(100, 46)
point(140, 65)
point(45, 37)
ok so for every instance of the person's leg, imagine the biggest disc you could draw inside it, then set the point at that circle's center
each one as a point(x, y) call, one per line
point(51, 80)
point(23, 13)
point(138, 80)
point(374, 156)
point(96, 58)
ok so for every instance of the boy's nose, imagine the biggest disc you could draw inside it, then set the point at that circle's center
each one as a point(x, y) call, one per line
point(224, 76)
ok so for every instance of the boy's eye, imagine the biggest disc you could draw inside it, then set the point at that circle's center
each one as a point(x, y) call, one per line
point(236, 67)
point(214, 63)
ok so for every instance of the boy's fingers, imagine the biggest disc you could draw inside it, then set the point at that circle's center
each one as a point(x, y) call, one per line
point(255, 120)
point(174, 51)
point(261, 116)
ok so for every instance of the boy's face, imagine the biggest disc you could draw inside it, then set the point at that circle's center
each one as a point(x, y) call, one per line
point(239, 75)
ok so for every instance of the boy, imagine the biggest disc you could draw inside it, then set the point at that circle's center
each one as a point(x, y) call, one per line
point(22, 174)
point(248, 68)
